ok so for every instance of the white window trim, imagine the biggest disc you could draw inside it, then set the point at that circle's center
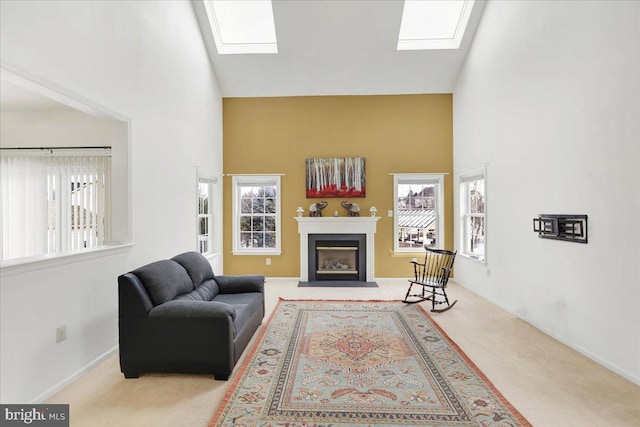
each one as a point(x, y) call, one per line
point(215, 244)
point(236, 179)
point(397, 177)
point(461, 178)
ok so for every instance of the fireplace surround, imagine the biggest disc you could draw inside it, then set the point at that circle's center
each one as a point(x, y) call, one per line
point(364, 226)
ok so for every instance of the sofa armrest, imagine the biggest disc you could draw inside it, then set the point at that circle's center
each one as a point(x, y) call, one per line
point(194, 309)
point(240, 284)
point(133, 299)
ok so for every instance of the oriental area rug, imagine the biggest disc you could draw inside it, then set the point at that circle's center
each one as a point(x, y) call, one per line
point(359, 364)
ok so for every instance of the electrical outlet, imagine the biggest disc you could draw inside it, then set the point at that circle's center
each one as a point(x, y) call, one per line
point(390, 213)
point(268, 261)
point(61, 334)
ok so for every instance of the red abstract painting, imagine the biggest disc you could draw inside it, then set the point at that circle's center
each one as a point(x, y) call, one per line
point(336, 177)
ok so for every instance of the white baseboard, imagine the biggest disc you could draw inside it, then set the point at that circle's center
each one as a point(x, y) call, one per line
point(76, 375)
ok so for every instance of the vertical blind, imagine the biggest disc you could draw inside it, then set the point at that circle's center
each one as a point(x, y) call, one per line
point(53, 203)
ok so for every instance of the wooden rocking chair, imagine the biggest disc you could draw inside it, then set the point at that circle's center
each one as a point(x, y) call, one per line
point(432, 278)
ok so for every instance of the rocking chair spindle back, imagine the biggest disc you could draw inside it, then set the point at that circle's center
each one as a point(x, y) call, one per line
point(432, 277)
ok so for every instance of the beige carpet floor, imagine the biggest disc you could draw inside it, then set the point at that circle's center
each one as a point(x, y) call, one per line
point(549, 383)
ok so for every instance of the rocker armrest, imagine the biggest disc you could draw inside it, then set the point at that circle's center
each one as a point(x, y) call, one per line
point(194, 309)
point(416, 263)
point(240, 284)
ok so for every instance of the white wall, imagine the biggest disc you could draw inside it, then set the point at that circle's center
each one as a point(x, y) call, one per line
point(56, 128)
point(146, 61)
point(549, 100)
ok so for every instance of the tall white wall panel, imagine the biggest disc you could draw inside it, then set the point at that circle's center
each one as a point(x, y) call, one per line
point(549, 99)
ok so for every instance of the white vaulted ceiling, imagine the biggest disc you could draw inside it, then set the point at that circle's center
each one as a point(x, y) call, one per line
point(338, 47)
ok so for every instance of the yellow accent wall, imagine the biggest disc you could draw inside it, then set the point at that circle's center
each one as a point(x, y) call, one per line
point(395, 133)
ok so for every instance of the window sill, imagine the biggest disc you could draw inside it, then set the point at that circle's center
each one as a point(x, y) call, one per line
point(407, 254)
point(472, 258)
point(39, 262)
point(258, 252)
point(211, 255)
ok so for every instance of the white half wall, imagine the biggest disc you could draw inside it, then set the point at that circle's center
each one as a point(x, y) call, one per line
point(549, 100)
point(145, 61)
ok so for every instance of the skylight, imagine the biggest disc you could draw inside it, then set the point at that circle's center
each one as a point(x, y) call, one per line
point(245, 26)
point(428, 24)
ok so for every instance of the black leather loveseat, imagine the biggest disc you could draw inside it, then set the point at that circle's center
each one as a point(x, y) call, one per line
point(176, 316)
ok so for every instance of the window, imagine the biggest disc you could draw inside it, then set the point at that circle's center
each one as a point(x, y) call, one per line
point(433, 24)
point(256, 214)
point(473, 208)
point(206, 224)
point(54, 200)
point(419, 211)
point(242, 26)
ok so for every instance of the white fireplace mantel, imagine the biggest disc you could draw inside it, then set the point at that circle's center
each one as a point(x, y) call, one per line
point(336, 225)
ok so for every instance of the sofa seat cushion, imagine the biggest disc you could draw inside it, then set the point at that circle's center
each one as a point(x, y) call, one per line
point(252, 299)
point(194, 309)
point(164, 280)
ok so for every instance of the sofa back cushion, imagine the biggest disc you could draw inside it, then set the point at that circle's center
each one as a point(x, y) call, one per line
point(207, 291)
point(164, 280)
point(197, 266)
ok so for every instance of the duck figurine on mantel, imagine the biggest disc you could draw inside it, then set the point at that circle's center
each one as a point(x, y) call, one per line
point(315, 209)
point(352, 208)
